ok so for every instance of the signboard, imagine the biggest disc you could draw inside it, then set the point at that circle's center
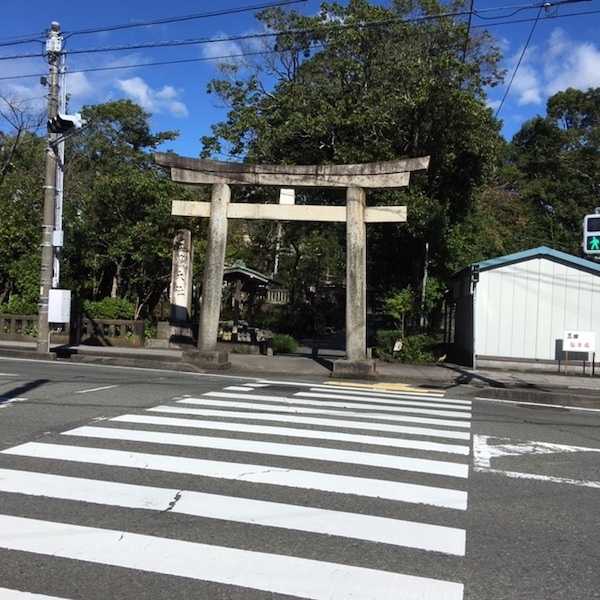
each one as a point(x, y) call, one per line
point(59, 306)
point(579, 341)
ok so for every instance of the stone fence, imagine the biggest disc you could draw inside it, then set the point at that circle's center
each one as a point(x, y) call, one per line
point(94, 332)
point(111, 332)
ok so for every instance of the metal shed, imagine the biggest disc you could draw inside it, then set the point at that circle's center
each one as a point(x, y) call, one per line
point(517, 307)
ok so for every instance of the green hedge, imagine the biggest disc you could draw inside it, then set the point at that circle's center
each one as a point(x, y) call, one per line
point(109, 308)
point(18, 306)
point(284, 344)
point(416, 349)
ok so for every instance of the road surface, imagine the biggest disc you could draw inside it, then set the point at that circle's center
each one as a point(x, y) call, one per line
point(128, 483)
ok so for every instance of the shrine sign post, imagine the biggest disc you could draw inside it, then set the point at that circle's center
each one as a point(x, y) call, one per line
point(355, 178)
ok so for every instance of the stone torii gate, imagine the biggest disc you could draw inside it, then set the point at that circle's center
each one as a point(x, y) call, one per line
point(356, 178)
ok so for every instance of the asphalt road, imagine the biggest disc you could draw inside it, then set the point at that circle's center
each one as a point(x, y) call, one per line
point(127, 483)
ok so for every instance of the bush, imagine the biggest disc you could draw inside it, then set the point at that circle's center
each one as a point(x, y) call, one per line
point(109, 308)
point(19, 306)
point(284, 344)
point(416, 349)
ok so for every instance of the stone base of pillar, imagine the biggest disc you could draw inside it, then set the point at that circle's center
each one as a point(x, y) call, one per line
point(208, 360)
point(354, 369)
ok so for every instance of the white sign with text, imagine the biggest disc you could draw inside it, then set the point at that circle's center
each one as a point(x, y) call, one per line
point(579, 341)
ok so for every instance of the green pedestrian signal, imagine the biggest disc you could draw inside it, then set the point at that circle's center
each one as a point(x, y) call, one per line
point(593, 243)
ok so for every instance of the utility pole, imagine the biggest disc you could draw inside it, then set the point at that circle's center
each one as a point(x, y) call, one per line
point(53, 51)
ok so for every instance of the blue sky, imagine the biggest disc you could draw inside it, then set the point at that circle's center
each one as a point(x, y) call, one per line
point(564, 52)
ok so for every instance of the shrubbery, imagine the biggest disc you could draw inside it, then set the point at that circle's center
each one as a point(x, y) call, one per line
point(416, 349)
point(109, 308)
point(18, 306)
point(284, 344)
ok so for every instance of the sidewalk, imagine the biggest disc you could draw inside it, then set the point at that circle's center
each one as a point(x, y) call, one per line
point(445, 376)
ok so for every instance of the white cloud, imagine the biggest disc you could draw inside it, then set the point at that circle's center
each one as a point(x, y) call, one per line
point(165, 99)
point(559, 63)
point(218, 48)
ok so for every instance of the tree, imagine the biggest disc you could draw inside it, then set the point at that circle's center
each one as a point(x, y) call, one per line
point(357, 83)
point(556, 166)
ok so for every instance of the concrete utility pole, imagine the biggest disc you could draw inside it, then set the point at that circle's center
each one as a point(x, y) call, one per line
point(53, 50)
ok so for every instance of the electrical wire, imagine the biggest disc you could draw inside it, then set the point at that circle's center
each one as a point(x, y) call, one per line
point(34, 37)
point(182, 18)
point(516, 69)
point(148, 64)
point(254, 36)
point(266, 52)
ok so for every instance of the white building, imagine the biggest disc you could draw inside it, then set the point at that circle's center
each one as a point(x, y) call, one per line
point(517, 307)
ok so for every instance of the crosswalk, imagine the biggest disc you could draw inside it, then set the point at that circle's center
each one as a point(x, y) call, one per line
point(256, 490)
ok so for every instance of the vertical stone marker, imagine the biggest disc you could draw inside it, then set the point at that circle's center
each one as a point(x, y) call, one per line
point(181, 277)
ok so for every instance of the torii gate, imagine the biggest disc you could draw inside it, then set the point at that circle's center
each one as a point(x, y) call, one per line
point(356, 178)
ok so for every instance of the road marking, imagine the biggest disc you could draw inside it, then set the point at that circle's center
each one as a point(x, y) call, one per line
point(384, 461)
point(378, 395)
point(485, 449)
point(98, 389)
point(239, 388)
point(313, 399)
point(5, 401)
point(273, 573)
point(8, 375)
point(258, 385)
point(366, 397)
point(7, 594)
point(386, 387)
point(567, 406)
point(356, 438)
point(423, 536)
point(316, 399)
point(319, 411)
point(306, 420)
point(269, 475)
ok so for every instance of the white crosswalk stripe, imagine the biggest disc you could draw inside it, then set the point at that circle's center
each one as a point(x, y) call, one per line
point(309, 464)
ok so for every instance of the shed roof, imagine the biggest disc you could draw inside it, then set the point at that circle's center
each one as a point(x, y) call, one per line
point(540, 252)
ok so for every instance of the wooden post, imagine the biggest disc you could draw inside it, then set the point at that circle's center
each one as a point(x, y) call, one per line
point(212, 286)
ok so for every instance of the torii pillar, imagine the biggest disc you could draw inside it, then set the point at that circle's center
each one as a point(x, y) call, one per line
point(355, 178)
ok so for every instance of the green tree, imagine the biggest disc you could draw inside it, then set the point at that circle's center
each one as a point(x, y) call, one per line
point(359, 84)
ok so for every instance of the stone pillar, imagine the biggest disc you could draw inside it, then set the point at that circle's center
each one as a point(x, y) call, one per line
point(356, 364)
point(356, 275)
point(181, 277)
point(212, 287)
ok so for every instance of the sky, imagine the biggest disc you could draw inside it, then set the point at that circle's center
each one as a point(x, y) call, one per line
point(564, 52)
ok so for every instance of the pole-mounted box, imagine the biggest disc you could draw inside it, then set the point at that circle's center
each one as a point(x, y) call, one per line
point(59, 306)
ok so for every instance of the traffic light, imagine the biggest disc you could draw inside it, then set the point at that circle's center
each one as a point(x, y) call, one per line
point(591, 234)
point(64, 123)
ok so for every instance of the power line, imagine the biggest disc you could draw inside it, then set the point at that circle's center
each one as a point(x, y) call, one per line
point(506, 92)
point(266, 52)
point(34, 37)
point(148, 64)
point(182, 18)
point(253, 36)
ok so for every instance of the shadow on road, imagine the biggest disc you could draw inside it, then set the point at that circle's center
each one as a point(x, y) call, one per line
point(22, 389)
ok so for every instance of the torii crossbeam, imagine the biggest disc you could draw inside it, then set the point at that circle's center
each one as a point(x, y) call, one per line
point(356, 178)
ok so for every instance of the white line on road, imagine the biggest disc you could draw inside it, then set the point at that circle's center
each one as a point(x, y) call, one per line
point(239, 388)
point(391, 395)
point(4, 401)
point(535, 476)
point(316, 402)
point(319, 434)
point(98, 389)
point(272, 573)
point(7, 594)
point(317, 393)
point(8, 375)
point(268, 475)
point(324, 422)
point(315, 410)
point(423, 536)
point(385, 461)
point(520, 403)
